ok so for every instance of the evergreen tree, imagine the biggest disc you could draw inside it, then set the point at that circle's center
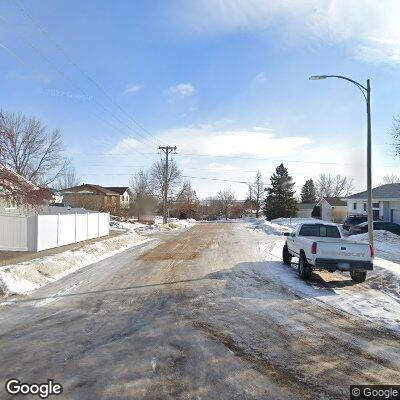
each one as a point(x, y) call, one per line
point(308, 192)
point(280, 201)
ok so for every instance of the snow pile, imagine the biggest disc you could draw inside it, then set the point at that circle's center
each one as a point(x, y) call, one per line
point(158, 226)
point(173, 223)
point(125, 226)
point(268, 227)
point(25, 277)
point(387, 244)
point(293, 222)
point(377, 299)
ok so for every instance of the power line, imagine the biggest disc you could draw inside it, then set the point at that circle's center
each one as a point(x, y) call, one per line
point(184, 168)
point(78, 87)
point(260, 158)
point(45, 33)
point(231, 157)
point(183, 176)
point(62, 73)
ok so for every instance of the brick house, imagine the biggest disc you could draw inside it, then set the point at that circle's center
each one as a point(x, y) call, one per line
point(91, 197)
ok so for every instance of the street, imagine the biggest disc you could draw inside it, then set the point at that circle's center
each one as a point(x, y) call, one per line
point(187, 316)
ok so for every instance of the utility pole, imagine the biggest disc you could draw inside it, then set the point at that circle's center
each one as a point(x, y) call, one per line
point(167, 150)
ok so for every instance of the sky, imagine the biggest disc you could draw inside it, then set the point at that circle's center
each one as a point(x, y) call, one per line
point(226, 81)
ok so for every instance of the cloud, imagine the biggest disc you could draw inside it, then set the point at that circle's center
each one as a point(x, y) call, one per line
point(260, 77)
point(370, 27)
point(126, 146)
point(245, 150)
point(182, 89)
point(137, 87)
point(213, 141)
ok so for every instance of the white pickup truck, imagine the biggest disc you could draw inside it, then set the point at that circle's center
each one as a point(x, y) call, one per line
point(320, 246)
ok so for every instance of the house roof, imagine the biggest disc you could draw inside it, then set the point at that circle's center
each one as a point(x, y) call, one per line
point(335, 201)
point(118, 189)
point(18, 178)
point(305, 206)
point(101, 189)
point(388, 191)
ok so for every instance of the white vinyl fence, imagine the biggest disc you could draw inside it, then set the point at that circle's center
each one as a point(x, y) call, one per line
point(41, 232)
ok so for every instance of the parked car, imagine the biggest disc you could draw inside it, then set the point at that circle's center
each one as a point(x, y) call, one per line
point(320, 246)
point(378, 226)
point(353, 220)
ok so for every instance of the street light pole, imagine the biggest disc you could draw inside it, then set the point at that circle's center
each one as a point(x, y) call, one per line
point(366, 91)
point(369, 167)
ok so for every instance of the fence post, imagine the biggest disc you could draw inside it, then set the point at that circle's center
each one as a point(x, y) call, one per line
point(36, 232)
point(75, 226)
point(58, 229)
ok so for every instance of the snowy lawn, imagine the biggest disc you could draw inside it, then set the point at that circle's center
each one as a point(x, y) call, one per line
point(293, 222)
point(27, 276)
point(387, 244)
point(377, 299)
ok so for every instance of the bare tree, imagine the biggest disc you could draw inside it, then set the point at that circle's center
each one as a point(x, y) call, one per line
point(396, 133)
point(392, 178)
point(144, 202)
point(210, 208)
point(334, 186)
point(29, 149)
point(186, 203)
point(157, 174)
point(68, 179)
point(226, 199)
point(256, 190)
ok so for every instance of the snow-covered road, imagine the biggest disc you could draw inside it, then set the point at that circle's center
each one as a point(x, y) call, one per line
point(209, 313)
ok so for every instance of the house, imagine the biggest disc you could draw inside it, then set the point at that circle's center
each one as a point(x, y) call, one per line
point(91, 197)
point(18, 195)
point(333, 209)
point(305, 210)
point(98, 198)
point(125, 195)
point(385, 203)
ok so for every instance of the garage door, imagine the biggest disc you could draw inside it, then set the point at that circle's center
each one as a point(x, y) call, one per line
point(396, 216)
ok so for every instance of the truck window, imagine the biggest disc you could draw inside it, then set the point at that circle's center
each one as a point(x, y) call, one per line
point(319, 231)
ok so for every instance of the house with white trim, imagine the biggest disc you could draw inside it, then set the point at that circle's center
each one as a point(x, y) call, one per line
point(385, 203)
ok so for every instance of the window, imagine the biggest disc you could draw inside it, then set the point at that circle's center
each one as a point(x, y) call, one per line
point(354, 206)
point(365, 206)
point(317, 230)
point(375, 205)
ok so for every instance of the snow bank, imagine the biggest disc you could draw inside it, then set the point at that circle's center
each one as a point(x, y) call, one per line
point(293, 222)
point(158, 226)
point(24, 277)
point(378, 299)
point(386, 243)
point(270, 228)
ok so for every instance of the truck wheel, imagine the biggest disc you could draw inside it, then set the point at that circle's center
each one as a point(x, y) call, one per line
point(304, 268)
point(358, 276)
point(286, 256)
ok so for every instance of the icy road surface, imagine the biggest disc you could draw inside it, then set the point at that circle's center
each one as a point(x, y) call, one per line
point(198, 314)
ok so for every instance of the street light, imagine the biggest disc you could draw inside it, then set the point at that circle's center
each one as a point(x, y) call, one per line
point(366, 92)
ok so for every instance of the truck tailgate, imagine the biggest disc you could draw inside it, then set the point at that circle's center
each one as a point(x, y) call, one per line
point(343, 250)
